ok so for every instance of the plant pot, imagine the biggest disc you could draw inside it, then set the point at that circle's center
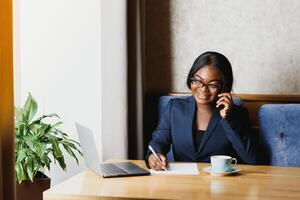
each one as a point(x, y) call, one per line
point(33, 190)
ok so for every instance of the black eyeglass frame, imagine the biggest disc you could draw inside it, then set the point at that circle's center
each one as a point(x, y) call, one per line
point(207, 85)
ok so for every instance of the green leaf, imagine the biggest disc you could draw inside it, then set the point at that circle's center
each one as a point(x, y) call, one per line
point(30, 108)
point(30, 168)
point(51, 128)
point(38, 120)
point(21, 176)
point(55, 147)
point(70, 151)
point(55, 125)
point(46, 160)
point(29, 140)
point(42, 129)
point(19, 115)
point(39, 149)
point(21, 154)
point(61, 162)
point(37, 141)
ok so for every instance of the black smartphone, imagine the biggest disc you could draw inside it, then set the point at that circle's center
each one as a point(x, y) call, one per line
point(221, 91)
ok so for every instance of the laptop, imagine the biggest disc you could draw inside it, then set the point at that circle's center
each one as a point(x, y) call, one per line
point(105, 170)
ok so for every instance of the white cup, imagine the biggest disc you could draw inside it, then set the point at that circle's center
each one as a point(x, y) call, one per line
point(221, 163)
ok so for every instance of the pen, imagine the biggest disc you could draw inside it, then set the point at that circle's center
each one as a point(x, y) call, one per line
point(156, 156)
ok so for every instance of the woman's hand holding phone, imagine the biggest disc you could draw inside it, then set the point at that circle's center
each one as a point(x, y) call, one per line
point(225, 104)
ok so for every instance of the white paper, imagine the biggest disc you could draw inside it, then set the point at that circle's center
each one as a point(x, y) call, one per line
point(179, 169)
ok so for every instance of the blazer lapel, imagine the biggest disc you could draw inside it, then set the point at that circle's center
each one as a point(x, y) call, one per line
point(189, 112)
point(215, 118)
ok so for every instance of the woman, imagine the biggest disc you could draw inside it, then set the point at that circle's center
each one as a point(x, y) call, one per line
point(206, 123)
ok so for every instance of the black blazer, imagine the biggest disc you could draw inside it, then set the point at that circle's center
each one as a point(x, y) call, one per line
point(230, 136)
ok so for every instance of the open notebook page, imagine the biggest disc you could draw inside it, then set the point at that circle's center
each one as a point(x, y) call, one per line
point(179, 168)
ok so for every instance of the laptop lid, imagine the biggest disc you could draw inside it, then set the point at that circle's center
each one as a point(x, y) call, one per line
point(88, 148)
point(91, 158)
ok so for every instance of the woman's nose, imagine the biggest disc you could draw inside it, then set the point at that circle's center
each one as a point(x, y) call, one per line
point(204, 88)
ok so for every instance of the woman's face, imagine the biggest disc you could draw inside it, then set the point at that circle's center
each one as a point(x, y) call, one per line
point(206, 84)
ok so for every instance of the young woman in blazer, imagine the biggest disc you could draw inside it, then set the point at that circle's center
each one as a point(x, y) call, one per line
point(206, 123)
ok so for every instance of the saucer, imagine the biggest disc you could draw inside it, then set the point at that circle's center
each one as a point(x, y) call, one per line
point(231, 171)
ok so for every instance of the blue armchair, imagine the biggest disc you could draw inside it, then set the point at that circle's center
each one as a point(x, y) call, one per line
point(280, 133)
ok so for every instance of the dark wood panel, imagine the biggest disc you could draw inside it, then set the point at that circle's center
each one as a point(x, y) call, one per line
point(254, 101)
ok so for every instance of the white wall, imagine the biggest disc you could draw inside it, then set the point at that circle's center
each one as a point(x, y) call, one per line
point(58, 60)
point(114, 78)
point(71, 55)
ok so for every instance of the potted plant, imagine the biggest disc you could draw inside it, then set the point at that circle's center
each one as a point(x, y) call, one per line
point(37, 144)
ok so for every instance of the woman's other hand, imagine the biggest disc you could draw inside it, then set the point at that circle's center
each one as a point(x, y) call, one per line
point(155, 164)
point(225, 104)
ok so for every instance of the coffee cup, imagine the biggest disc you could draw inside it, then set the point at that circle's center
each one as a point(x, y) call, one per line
point(222, 163)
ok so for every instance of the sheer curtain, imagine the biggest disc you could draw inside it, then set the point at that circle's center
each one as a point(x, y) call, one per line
point(114, 104)
point(122, 78)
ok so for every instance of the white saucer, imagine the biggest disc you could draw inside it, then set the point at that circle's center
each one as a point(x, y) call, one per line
point(232, 171)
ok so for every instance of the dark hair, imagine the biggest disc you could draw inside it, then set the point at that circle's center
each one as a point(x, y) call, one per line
point(216, 60)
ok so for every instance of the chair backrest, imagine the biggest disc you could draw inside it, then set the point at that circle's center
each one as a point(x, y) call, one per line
point(280, 133)
point(162, 105)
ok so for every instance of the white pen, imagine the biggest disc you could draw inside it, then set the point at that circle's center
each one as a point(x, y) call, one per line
point(156, 156)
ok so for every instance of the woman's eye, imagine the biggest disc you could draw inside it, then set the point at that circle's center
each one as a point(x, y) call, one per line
point(197, 82)
point(213, 86)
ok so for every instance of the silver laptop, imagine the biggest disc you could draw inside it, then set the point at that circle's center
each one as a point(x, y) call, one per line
point(106, 170)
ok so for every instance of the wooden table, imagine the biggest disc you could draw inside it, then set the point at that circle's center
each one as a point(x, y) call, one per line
point(254, 182)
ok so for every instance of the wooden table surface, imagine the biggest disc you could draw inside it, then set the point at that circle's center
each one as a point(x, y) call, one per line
point(253, 182)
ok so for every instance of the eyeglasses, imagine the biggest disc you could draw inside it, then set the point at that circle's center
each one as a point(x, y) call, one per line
point(211, 87)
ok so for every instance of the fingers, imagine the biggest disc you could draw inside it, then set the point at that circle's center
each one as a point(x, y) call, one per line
point(227, 104)
point(152, 162)
point(155, 164)
point(164, 161)
point(225, 95)
point(225, 100)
